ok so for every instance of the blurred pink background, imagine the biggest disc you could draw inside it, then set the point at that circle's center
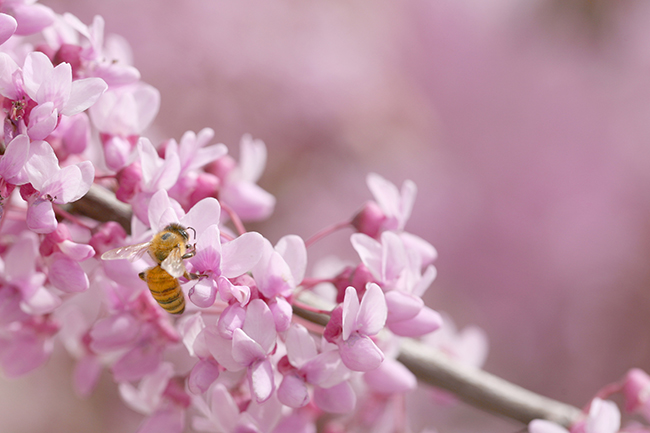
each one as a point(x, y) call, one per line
point(526, 126)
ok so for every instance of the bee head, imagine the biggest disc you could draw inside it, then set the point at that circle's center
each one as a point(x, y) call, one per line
point(179, 229)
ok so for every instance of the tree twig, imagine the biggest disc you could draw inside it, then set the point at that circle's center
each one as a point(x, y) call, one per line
point(474, 386)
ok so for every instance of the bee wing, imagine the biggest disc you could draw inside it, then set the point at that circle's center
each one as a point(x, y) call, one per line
point(173, 264)
point(129, 252)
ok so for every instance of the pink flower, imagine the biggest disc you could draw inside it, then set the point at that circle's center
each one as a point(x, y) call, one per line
point(12, 164)
point(324, 371)
point(397, 268)
point(239, 189)
point(391, 208)
point(351, 326)
point(221, 414)
point(636, 392)
point(157, 397)
point(157, 174)
point(120, 115)
point(221, 263)
point(52, 184)
point(251, 346)
point(110, 61)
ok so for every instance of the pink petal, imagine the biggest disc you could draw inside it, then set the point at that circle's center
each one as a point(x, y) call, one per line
point(83, 94)
point(427, 320)
point(207, 155)
point(203, 294)
point(241, 254)
point(300, 345)
point(40, 217)
point(77, 133)
point(248, 200)
point(14, 160)
point(86, 375)
point(62, 186)
point(260, 325)
point(230, 319)
point(148, 104)
point(544, 426)
point(282, 313)
point(394, 256)
point(56, 87)
point(229, 291)
point(169, 420)
point(87, 170)
point(208, 251)
point(7, 27)
point(116, 152)
point(326, 369)
point(203, 374)
point(277, 279)
point(245, 350)
point(260, 376)
point(360, 353)
point(42, 121)
point(36, 70)
point(113, 333)
point(23, 353)
point(221, 349)
point(293, 391)
point(190, 327)
point(32, 17)
point(252, 158)
point(390, 378)
point(41, 302)
point(202, 215)
point(293, 251)
point(21, 258)
point(372, 311)
point(8, 68)
point(604, 417)
point(337, 399)
point(385, 193)
point(138, 362)
point(66, 275)
point(350, 311)
point(224, 407)
point(369, 251)
point(75, 251)
point(425, 250)
point(42, 164)
point(402, 305)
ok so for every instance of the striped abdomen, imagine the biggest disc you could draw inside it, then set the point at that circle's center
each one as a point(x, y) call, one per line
point(165, 289)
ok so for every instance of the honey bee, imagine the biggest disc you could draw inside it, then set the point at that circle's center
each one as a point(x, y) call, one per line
point(168, 249)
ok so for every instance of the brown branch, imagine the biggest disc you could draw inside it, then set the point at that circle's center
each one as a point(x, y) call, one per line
point(475, 387)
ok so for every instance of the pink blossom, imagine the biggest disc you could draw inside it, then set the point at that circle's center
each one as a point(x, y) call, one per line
point(239, 188)
point(636, 392)
point(321, 370)
point(251, 345)
point(221, 414)
point(12, 164)
point(397, 269)
point(351, 326)
point(120, 115)
point(391, 208)
point(109, 60)
point(52, 184)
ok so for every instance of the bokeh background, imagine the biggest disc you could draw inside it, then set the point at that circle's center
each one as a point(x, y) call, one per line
point(525, 124)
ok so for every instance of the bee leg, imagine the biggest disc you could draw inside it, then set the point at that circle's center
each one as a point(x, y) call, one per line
point(192, 276)
point(142, 276)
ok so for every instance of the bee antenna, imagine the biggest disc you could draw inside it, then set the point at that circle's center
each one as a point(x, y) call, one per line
point(192, 228)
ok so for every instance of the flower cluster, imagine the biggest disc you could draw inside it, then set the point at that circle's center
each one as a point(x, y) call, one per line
point(238, 359)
